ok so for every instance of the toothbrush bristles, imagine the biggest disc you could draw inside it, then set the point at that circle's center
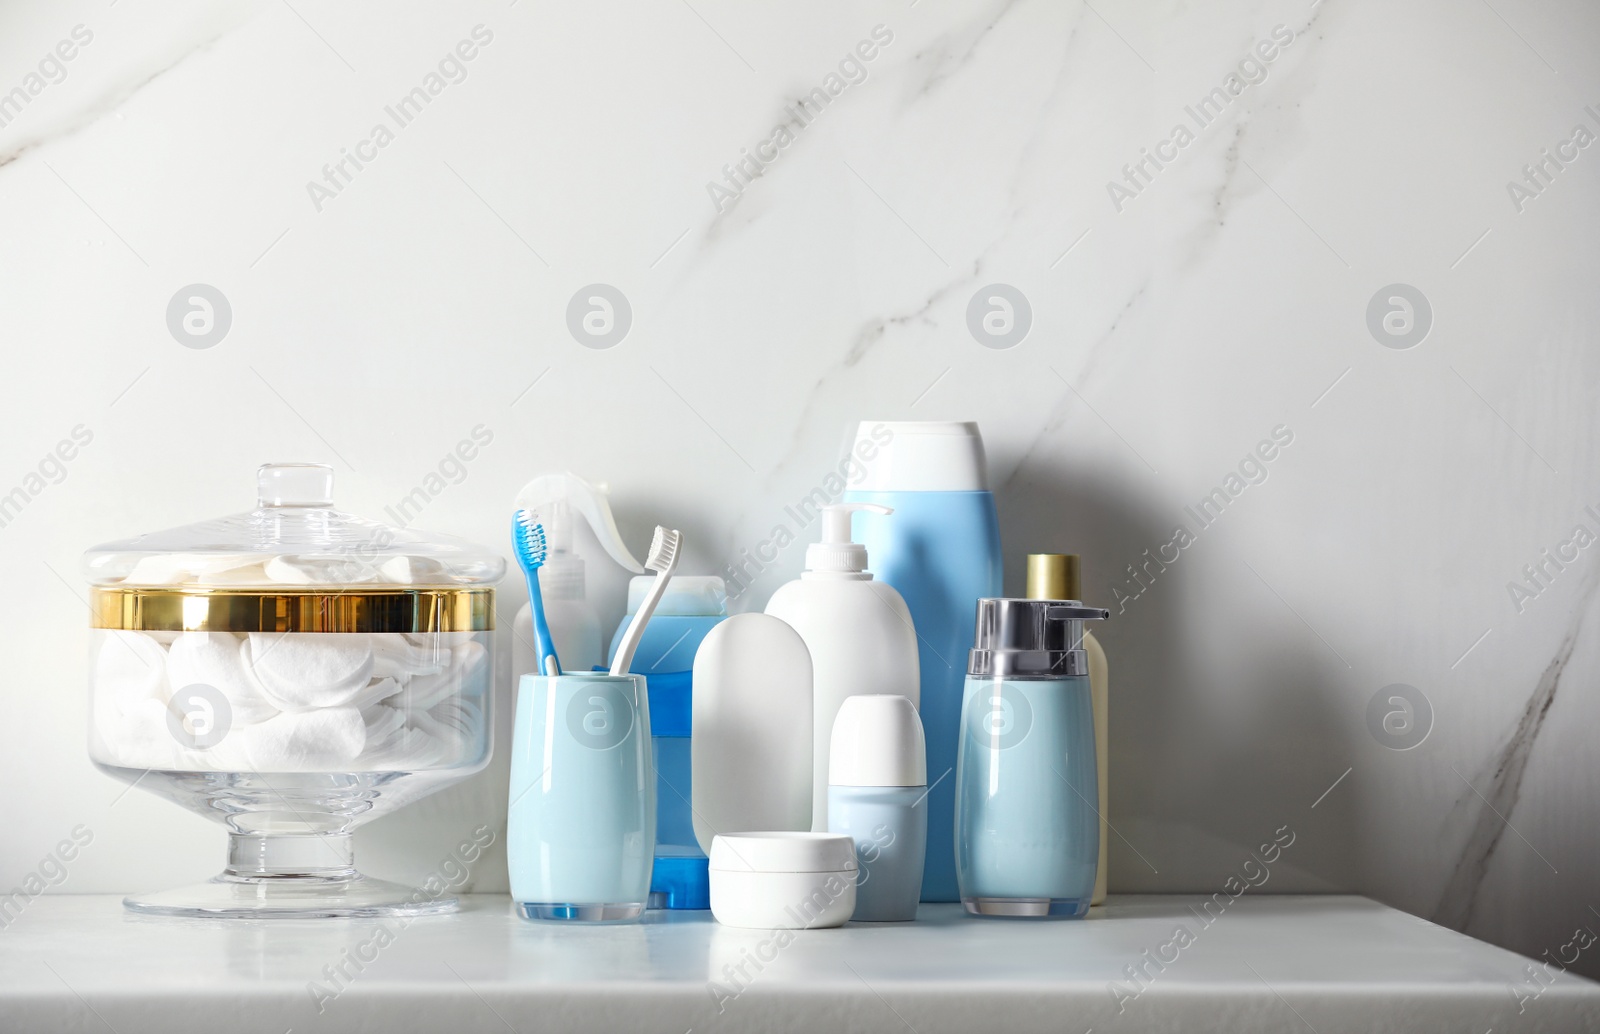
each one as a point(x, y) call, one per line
point(663, 547)
point(530, 538)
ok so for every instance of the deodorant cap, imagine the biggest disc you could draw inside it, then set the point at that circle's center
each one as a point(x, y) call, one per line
point(920, 456)
point(877, 741)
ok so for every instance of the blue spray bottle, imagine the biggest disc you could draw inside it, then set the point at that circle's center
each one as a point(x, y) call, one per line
point(941, 551)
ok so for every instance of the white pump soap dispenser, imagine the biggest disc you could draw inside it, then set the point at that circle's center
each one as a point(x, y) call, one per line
point(857, 629)
point(574, 625)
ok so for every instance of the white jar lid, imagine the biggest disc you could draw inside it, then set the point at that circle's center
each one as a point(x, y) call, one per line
point(877, 741)
point(783, 852)
point(920, 456)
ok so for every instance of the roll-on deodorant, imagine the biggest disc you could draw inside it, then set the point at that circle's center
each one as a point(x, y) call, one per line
point(878, 796)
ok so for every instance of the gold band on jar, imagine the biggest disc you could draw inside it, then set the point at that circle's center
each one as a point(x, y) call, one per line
point(243, 610)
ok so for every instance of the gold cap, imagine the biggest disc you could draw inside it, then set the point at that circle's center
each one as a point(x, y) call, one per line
point(1054, 576)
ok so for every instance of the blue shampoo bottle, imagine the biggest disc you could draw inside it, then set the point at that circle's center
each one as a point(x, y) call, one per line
point(941, 552)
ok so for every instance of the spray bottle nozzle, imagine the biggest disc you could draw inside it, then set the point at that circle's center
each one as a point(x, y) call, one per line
point(837, 551)
point(552, 499)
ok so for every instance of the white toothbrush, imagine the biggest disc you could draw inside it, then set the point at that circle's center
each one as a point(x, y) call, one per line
point(663, 559)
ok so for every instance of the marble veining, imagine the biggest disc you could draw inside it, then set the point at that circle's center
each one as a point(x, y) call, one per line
point(1491, 798)
point(113, 96)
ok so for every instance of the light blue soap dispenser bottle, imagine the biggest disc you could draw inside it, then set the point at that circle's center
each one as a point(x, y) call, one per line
point(1027, 832)
point(941, 552)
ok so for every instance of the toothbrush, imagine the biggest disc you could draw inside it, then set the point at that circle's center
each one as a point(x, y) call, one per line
point(528, 539)
point(663, 560)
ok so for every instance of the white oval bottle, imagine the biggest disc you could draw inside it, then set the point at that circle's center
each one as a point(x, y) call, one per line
point(750, 755)
point(857, 630)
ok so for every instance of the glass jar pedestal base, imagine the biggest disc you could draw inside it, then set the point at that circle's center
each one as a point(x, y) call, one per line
point(291, 877)
point(1027, 908)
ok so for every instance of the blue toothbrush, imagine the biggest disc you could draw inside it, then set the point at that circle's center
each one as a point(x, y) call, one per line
point(528, 540)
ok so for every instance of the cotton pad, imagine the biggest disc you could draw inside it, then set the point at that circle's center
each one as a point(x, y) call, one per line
point(246, 574)
point(424, 691)
point(328, 739)
point(458, 714)
point(131, 667)
point(413, 570)
point(138, 738)
point(325, 569)
point(213, 659)
point(383, 725)
point(394, 654)
point(201, 568)
point(304, 670)
point(376, 690)
point(443, 745)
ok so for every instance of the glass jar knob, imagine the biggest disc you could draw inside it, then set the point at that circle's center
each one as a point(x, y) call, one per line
point(294, 484)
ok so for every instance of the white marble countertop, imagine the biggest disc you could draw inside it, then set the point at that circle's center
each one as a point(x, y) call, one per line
point(1288, 963)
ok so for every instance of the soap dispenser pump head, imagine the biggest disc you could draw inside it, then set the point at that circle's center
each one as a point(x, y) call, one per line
point(837, 552)
point(1030, 639)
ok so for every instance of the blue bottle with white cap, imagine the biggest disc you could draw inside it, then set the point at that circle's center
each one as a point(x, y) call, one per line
point(941, 551)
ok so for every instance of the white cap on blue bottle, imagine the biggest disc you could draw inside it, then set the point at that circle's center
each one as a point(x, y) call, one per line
point(920, 456)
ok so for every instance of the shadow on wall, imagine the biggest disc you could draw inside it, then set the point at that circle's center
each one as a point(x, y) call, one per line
point(1200, 779)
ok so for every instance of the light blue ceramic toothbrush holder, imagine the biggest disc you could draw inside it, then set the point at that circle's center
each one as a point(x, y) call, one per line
point(581, 824)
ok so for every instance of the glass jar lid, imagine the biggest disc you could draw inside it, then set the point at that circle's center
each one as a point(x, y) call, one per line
point(294, 563)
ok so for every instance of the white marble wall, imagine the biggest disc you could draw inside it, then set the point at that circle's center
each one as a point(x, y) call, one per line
point(1172, 329)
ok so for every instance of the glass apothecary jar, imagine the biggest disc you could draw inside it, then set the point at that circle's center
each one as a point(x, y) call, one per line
point(291, 672)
